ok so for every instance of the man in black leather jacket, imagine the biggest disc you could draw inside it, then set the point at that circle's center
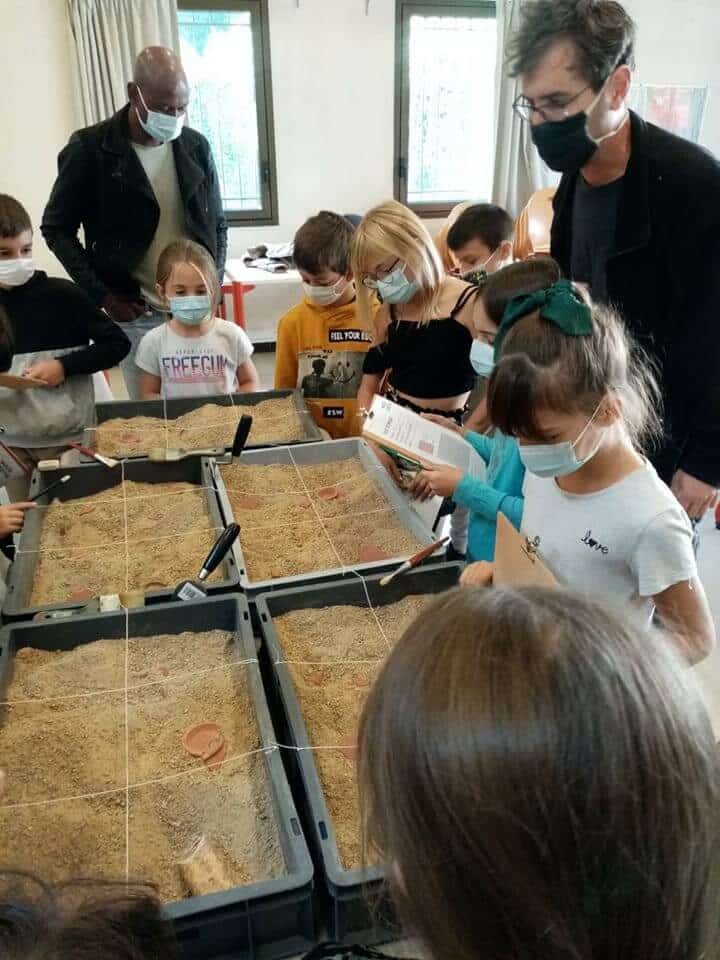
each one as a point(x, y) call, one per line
point(134, 183)
point(637, 218)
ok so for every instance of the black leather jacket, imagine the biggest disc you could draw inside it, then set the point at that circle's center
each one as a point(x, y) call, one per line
point(102, 187)
point(664, 277)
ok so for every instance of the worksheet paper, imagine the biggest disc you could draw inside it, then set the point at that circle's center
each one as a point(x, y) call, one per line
point(412, 441)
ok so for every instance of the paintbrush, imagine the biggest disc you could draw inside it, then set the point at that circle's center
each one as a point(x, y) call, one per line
point(50, 486)
point(109, 462)
point(163, 455)
point(414, 560)
point(189, 590)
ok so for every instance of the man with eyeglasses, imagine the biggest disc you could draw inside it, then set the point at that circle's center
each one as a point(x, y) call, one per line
point(637, 217)
point(135, 183)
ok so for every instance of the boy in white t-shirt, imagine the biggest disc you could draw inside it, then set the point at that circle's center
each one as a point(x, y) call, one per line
point(194, 354)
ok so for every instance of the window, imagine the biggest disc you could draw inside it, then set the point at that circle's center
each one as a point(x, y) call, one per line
point(225, 50)
point(444, 103)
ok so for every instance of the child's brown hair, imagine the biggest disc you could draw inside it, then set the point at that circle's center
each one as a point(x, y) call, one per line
point(14, 218)
point(187, 251)
point(517, 279)
point(541, 367)
point(323, 243)
point(541, 779)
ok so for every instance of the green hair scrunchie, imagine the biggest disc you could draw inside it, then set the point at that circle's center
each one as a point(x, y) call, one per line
point(559, 304)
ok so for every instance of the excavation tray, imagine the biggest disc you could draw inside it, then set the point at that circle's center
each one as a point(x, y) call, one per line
point(352, 916)
point(264, 920)
point(174, 408)
point(88, 479)
point(325, 452)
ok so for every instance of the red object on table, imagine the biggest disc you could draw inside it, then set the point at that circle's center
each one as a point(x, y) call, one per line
point(237, 289)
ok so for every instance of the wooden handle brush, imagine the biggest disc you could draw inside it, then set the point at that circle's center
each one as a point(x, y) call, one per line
point(414, 560)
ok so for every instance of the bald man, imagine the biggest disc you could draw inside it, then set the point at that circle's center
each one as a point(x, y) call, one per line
point(134, 183)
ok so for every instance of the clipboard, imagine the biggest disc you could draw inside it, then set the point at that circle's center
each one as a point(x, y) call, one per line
point(19, 383)
point(517, 563)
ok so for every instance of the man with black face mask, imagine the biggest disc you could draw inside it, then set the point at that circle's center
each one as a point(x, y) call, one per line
point(637, 218)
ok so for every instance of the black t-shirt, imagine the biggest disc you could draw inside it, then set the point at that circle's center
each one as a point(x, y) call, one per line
point(593, 233)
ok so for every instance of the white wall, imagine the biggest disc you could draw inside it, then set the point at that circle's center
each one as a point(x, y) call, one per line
point(36, 104)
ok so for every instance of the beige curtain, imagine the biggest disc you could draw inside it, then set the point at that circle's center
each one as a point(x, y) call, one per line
point(107, 36)
point(519, 171)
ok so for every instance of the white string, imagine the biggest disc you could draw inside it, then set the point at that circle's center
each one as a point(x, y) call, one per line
point(314, 508)
point(127, 545)
point(127, 748)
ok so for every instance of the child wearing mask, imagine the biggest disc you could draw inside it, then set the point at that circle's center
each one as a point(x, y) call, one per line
point(540, 777)
point(320, 343)
point(420, 356)
point(52, 323)
point(580, 400)
point(480, 241)
point(501, 491)
point(196, 353)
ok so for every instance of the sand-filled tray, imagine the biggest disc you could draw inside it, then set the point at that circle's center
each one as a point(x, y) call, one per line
point(140, 526)
point(314, 512)
point(326, 644)
point(128, 428)
point(142, 747)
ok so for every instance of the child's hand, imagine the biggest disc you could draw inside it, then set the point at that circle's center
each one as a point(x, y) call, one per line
point(442, 480)
point(419, 488)
point(12, 517)
point(387, 461)
point(51, 372)
point(446, 422)
point(478, 574)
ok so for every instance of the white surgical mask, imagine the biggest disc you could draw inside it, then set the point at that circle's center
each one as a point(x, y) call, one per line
point(482, 358)
point(191, 310)
point(324, 296)
point(14, 273)
point(160, 126)
point(557, 459)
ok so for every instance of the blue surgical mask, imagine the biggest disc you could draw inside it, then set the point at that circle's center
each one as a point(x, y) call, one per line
point(395, 287)
point(482, 358)
point(191, 310)
point(160, 126)
point(557, 459)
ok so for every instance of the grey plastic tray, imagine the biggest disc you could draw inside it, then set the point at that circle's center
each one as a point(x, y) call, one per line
point(261, 920)
point(324, 452)
point(86, 480)
point(174, 408)
point(351, 917)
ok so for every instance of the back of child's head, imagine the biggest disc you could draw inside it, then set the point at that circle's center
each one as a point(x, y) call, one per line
point(541, 778)
point(388, 232)
point(14, 218)
point(81, 921)
point(187, 251)
point(517, 279)
point(486, 222)
point(323, 244)
point(542, 368)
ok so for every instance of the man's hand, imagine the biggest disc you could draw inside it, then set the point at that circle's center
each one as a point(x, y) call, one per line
point(121, 310)
point(12, 517)
point(694, 495)
point(51, 372)
point(442, 480)
point(478, 574)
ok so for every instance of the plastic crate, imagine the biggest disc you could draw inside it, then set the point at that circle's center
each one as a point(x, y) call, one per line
point(357, 910)
point(313, 453)
point(88, 479)
point(262, 920)
point(174, 408)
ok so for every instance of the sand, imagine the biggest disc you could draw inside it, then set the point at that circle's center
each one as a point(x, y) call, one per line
point(298, 520)
point(332, 693)
point(153, 538)
point(58, 751)
point(209, 426)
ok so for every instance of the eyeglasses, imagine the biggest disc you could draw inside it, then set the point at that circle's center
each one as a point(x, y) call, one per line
point(524, 107)
point(371, 280)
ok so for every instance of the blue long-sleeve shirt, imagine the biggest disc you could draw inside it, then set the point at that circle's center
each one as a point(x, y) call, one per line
point(500, 492)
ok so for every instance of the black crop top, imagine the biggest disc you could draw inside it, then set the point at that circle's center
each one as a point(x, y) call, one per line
point(427, 360)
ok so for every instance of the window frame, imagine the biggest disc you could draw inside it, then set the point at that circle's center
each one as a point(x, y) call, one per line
point(268, 214)
point(404, 9)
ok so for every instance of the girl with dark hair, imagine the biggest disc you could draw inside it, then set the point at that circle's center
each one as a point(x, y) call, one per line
point(542, 781)
point(580, 400)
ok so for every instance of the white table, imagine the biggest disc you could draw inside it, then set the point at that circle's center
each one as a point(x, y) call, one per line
point(274, 295)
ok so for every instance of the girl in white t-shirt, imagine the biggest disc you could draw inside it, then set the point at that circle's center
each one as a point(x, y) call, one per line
point(194, 354)
point(570, 388)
